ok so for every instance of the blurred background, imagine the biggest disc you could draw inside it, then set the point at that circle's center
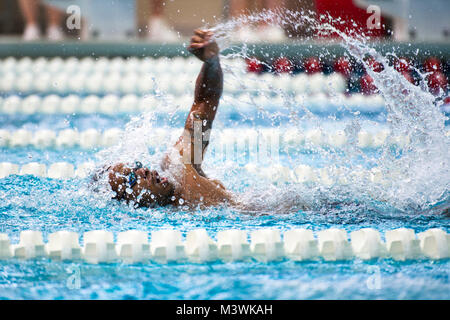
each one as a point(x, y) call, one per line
point(417, 31)
point(173, 20)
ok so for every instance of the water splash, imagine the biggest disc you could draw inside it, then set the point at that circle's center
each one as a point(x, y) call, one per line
point(418, 177)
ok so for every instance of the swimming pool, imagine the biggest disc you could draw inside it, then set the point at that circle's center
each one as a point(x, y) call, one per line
point(304, 154)
point(42, 204)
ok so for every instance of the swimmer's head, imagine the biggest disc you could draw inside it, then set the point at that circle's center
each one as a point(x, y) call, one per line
point(139, 184)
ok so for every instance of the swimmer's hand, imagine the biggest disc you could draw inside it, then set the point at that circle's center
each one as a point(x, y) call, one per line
point(202, 46)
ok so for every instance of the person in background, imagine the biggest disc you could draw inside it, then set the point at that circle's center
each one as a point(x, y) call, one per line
point(30, 12)
point(265, 31)
point(158, 28)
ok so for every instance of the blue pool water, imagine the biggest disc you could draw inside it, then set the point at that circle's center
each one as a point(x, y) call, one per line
point(28, 202)
point(414, 196)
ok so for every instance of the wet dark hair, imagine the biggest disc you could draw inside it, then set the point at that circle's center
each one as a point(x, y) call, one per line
point(144, 199)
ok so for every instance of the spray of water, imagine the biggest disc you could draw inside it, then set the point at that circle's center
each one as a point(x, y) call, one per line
point(417, 178)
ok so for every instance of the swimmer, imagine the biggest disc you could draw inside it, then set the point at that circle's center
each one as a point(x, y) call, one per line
point(188, 184)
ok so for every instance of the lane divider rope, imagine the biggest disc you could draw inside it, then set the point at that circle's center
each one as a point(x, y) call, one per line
point(276, 174)
point(111, 104)
point(137, 75)
point(92, 138)
point(265, 245)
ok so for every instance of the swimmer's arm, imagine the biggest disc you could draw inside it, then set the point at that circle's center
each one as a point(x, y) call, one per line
point(208, 90)
point(209, 84)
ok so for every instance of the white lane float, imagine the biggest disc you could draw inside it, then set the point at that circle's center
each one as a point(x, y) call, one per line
point(94, 83)
point(435, 243)
point(300, 245)
point(402, 244)
point(99, 247)
point(60, 83)
point(61, 170)
point(23, 65)
point(228, 138)
point(293, 137)
point(111, 83)
point(335, 83)
point(148, 102)
point(109, 104)
point(337, 139)
point(266, 245)
point(315, 83)
point(8, 83)
point(67, 138)
point(51, 104)
point(304, 174)
point(90, 139)
point(20, 138)
point(63, 245)
point(277, 174)
point(5, 136)
point(325, 177)
point(43, 138)
point(42, 82)
point(5, 247)
point(200, 247)
point(146, 84)
point(233, 245)
point(70, 104)
point(31, 104)
point(365, 139)
point(166, 246)
point(39, 65)
point(377, 176)
point(7, 169)
point(72, 64)
point(380, 138)
point(11, 104)
point(77, 83)
point(133, 246)
point(30, 246)
point(111, 137)
point(315, 136)
point(35, 169)
point(55, 65)
point(334, 245)
point(83, 170)
point(129, 103)
point(90, 104)
point(128, 83)
point(367, 244)
point(63, 84)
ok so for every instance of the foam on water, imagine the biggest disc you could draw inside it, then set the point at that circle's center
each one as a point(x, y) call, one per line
point(419, 175)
